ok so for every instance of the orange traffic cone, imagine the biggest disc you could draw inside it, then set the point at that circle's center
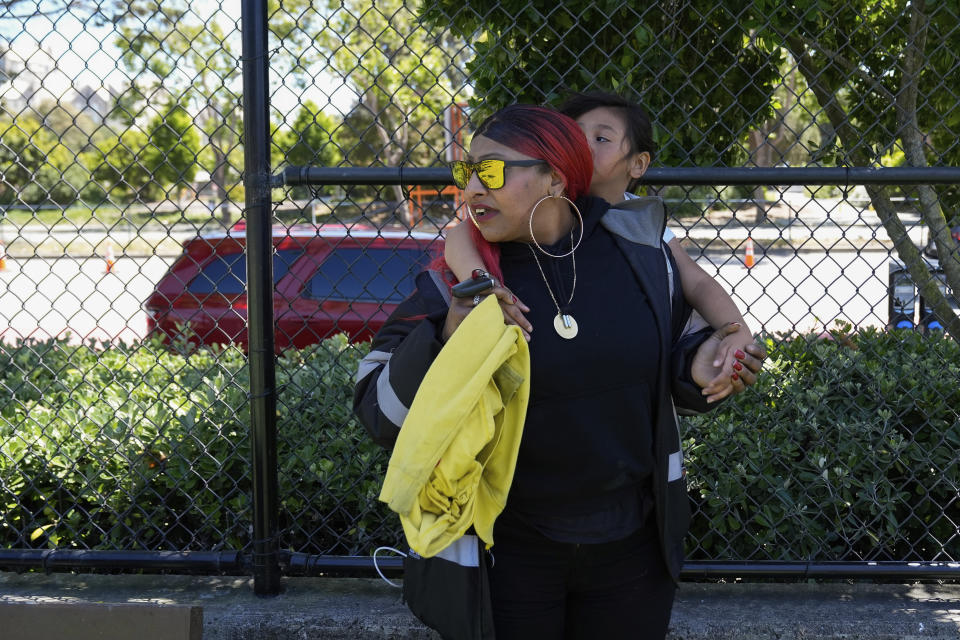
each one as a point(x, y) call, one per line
point(3, 257)
point(110, 258)
point(748, 258)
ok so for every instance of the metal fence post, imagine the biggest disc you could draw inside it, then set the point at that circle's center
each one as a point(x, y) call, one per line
point(263, 401)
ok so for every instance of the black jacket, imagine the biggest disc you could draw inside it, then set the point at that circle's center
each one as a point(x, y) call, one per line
point(406, 345)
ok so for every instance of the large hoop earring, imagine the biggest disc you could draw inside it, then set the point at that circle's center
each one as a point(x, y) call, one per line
point(471, 216)
point(537, 244)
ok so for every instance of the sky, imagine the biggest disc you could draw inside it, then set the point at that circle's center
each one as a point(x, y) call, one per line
point(76, 51)
point(60, 52)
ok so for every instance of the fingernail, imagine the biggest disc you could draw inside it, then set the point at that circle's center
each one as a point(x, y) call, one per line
point(739, 354)
point(735, 377)
point(514, 299)
point(737, 366)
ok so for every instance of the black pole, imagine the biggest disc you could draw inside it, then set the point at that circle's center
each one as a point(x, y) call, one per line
point(263, 401)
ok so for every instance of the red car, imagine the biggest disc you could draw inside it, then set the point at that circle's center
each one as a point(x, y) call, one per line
point(326, 279)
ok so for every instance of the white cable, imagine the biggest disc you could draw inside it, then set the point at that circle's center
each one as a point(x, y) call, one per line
point(377, 567)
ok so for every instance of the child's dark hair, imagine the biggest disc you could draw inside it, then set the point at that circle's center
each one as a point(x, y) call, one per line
point(639, 128)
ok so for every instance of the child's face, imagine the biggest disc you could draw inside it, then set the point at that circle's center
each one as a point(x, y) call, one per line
point(614, 165)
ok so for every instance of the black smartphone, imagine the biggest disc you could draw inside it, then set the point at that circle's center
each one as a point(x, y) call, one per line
point(473, 286)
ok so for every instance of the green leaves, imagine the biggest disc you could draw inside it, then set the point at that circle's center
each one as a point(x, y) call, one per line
point(142, 446)
point(820, 458)
point(677, 63)
point(845, 449)
point(173, 147)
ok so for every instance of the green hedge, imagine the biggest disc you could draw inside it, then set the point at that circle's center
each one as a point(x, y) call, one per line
point(146, 447)
point(845, 449)
point(122, 448)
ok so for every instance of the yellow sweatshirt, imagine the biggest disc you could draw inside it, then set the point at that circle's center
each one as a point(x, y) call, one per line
point(453, 462)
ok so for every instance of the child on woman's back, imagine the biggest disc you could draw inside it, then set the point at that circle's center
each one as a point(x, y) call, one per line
point(621, 140)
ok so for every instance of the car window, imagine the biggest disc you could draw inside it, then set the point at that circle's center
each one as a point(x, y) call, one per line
point(368, 275)
point(228, 274)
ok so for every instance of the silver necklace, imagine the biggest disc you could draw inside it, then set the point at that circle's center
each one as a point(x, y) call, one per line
point(564, 323)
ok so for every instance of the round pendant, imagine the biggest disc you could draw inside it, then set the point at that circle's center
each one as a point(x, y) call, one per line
point(565, 326)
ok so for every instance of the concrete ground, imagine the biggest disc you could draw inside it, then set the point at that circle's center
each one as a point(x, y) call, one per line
point(355, 608)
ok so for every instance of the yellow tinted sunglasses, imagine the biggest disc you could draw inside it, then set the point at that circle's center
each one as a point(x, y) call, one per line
point(490, 172)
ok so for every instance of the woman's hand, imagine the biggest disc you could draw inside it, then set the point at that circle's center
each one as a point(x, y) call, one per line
point(513, 310)
point(717, 383)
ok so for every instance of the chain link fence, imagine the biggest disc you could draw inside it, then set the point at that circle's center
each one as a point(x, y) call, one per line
point(807, 156)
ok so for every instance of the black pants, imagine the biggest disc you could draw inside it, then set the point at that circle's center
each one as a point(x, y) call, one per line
point(553, 590)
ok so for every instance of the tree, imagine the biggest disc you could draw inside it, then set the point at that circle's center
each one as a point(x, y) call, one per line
point(82, 135)
point(404, 79)
point(706, 70)
point(73, 127)
point(172, 51)
point(98, 12)
point(35, 167)
point(117, 165)
point(174, 55)
point(791, 136)
point(173, 148)
point(693, 65)
point(878, 71)
point(308, 141)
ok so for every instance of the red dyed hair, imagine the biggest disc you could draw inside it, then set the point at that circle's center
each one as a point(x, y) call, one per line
point(543, 134)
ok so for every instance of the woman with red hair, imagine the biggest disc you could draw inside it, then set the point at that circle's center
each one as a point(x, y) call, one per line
point(590, 543)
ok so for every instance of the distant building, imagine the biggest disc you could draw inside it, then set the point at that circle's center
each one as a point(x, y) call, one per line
point(32, 78)
point(93, 102)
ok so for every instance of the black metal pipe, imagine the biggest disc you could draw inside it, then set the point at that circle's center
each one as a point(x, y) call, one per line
point(51, 559)
point(365, 175)
point(263, 401)
point(685, 176)
point(305, 564)
point(823, 570)
point(300, 564)
point(840, 176)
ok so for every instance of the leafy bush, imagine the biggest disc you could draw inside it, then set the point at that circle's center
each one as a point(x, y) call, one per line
point(122, 447)
point(845, 449)
point(144, 447)
point(330, 471)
